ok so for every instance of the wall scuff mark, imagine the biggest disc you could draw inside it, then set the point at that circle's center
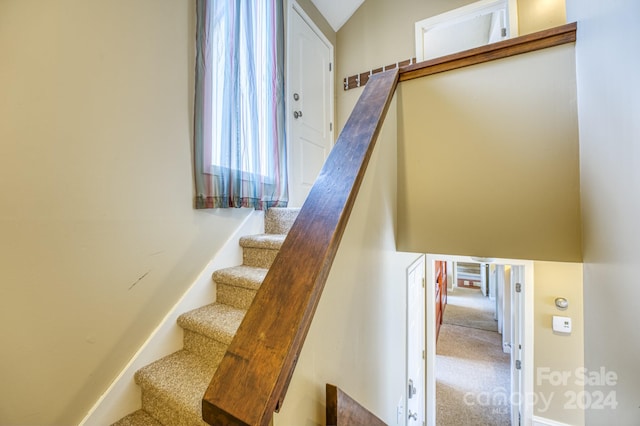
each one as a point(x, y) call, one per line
point(139, 279)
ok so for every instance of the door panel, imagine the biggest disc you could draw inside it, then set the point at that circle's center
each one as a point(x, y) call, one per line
point(309, 105)
point(312, 156)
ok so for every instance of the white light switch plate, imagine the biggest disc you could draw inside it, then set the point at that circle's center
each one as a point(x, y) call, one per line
point(561, 324)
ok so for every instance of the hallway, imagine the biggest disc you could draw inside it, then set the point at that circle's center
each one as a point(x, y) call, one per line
point(472, 372)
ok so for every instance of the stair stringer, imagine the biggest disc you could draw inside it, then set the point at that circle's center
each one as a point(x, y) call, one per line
point(123, 396)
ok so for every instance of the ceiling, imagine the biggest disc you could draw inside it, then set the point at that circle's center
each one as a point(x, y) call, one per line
point(337, 12)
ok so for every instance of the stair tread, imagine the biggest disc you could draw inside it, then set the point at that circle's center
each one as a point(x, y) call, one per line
point(138, 418)
point(278, 220)
point(293, 210)
point(264, 241)
point(179, 379)
point(216, 321)
point(244, 276)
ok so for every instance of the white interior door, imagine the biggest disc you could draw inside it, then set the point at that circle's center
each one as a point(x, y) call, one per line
point(415, 343)
point(309, 103)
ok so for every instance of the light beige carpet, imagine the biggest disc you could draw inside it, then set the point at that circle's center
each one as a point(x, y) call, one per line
point(472, 372)
point(467, 307)
point(472, 378)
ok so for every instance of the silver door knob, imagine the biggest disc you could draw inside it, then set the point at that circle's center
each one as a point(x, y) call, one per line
point(297, 114)
point(413, 416)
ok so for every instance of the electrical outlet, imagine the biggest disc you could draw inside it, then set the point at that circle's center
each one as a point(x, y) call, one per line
point(400, 411)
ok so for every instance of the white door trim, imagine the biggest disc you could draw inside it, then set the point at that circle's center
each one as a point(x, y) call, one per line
point(430, 327)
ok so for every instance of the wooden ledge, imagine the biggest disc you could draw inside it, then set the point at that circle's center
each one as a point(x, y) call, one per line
point(503, 49)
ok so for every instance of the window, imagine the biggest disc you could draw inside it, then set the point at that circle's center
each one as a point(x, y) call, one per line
point(239, 124)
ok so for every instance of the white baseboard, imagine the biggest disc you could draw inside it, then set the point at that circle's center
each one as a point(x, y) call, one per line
point(541, 421)
point(123, 395)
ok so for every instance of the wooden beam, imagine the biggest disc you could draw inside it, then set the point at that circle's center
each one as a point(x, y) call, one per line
point(252, 379)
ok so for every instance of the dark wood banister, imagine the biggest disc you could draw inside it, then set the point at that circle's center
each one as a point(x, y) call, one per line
point(252, 379)
point(342, 410)
point(254, 374)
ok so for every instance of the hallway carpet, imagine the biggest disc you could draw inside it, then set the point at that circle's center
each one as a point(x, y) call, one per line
point(467, 307)
point(472, 372)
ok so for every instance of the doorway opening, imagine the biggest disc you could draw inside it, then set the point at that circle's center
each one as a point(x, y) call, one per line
point(474, 25)
point(499, 294)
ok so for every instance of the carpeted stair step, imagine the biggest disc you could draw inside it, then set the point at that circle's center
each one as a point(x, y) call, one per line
point(237, 286)
point(138, 418)
point(172, 388)
point(209, 330)
point(279, 220)
point(260, 250)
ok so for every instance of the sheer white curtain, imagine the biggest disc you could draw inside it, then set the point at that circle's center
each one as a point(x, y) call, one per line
point(240, 151)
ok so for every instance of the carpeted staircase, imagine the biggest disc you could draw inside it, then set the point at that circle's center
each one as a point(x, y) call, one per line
point(172, 387)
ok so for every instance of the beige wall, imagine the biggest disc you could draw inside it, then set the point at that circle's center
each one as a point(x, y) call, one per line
point(382, 32)
point(559, 359)
point(608, 107)
point(357, 338)
point(488, 160)
point(99, 237)
point(537, 15)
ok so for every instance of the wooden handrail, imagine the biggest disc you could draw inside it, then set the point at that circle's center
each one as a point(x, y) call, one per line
point(342, 410)
point(409, 69)
point(252, 379)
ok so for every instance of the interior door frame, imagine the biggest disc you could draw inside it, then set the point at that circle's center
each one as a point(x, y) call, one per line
point(526, 316)
point(294, 7)
point(463, 13)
